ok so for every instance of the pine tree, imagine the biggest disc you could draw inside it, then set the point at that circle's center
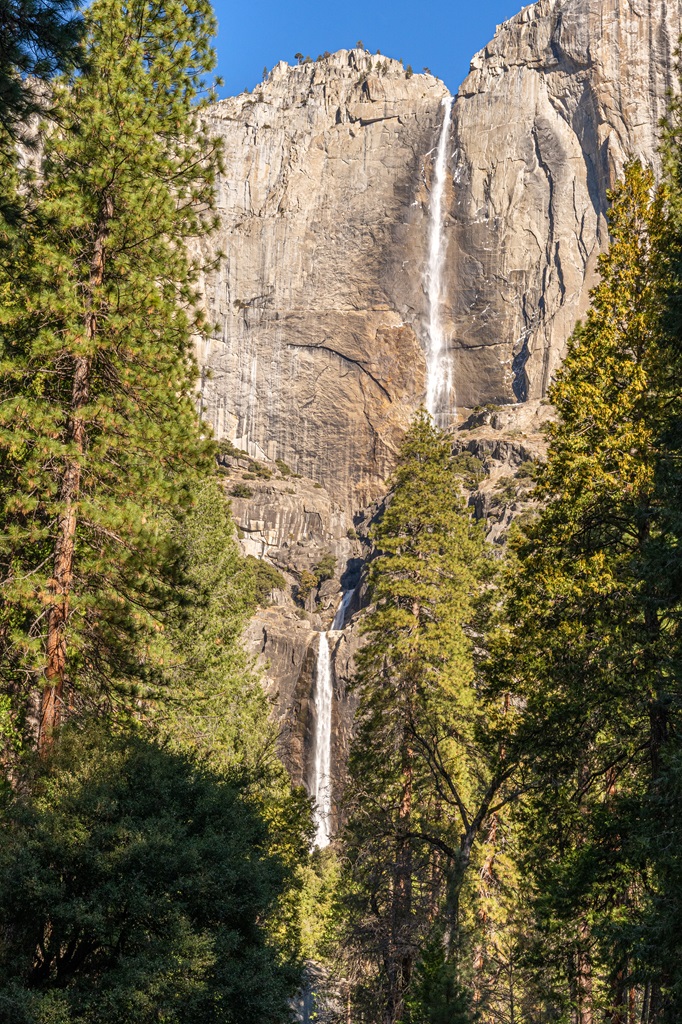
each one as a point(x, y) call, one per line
point(589, 652)
point(424, 771)
point(99, 442)
point(137, 885)
point(213, 701)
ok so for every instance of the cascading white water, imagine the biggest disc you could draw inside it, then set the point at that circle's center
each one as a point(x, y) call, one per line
point(321, 785)
point(438, 361)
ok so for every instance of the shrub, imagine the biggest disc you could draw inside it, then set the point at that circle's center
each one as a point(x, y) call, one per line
point(325, 568)
point(264, 578)
point(469, 467)
point(146, 882)
point(306, 584)
point(241, 491)
point(226, 447)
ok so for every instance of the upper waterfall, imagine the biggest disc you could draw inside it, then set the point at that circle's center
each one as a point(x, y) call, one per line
point(438, 361)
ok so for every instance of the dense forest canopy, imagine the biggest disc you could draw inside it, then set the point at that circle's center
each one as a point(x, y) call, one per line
point(511, 838)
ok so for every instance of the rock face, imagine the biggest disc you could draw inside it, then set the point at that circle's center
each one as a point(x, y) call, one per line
point(320, 304)
point(564, 94)
point(319, 355)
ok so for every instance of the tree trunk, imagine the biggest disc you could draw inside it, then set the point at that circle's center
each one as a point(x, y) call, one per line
point(401, 971)
point(583, 980)
point(619, 999)
point(65, 543)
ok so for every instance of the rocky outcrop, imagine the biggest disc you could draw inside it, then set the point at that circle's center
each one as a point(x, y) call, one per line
point(286, 646)
point(320, 304)
point(291, 522)
point(564, 94)
point(317, 356)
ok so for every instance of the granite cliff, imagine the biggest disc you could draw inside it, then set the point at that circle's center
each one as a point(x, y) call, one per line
point(322, 305)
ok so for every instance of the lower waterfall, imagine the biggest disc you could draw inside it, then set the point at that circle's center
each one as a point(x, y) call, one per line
point(321, 783)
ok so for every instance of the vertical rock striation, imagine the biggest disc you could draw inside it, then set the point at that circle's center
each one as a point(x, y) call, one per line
point(321, 305)
point(564, 94)
point(323, 217)
point(325, 306)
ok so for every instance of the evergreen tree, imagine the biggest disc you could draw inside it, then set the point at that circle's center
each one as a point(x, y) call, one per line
point(213, 700)
point(98, 435)
point(590, 647)
point(137, 885)
point(425, 773)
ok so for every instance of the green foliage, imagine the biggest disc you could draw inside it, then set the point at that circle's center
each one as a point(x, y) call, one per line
point(506, 490)
point(590, 645)
point(264, 578)
point(260, 470)
point(309, 579)
point(422, 770)
point(325, 569)
point(307, 582)
point(283, 468)
point(212, 700)
point(37, 40)
point(408, 71)
point(99, 444)
point(470, 468)
point(226, 447)
point(436, 996)
point(318, 907)
point(241, 491)
point(136, 885)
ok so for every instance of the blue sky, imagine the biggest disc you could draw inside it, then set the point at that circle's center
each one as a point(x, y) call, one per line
point(440, 34)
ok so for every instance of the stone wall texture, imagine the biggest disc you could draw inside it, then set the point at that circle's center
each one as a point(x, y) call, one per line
point(319, 305)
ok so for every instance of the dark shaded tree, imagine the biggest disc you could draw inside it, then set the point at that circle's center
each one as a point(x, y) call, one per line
point(137, 885)
point(38, 39)
point(426, 771)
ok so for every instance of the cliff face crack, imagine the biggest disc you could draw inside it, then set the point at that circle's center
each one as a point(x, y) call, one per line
point(365, 121)
point(347, 359)
point(546, 169)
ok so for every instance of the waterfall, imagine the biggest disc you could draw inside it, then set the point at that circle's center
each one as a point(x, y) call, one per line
point(321, 783)
point(438, 361)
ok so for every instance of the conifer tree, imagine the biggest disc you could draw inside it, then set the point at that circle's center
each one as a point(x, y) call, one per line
point(98, 435)
point(424, 772)
point(589, 652)
point(138, 885)
point(214, 701)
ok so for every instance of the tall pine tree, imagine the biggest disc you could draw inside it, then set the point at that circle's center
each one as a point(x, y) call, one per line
point(425, 771)
point(589, 651)
point(98, 436)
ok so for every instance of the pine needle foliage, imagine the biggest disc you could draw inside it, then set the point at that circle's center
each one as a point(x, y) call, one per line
point(38, 39)
point(214, 701)
point(423, 768)
point(99, 442)
point(138, 885)
point(590, 651)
